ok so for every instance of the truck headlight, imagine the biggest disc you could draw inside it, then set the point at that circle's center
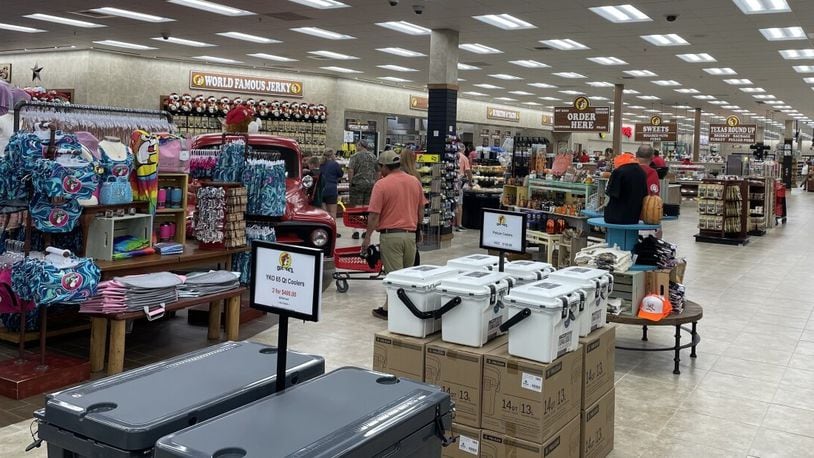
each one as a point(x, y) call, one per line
point(319, 237)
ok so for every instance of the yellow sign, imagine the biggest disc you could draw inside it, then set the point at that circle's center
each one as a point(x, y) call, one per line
point(502, 114)
point(582, 103)
point(655, 121)
point(428, 158)
point(733, 121)
point(259, 85)
point(419, 103)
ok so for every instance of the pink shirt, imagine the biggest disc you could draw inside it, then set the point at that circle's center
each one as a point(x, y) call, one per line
point(464, 165)
point(397, 198)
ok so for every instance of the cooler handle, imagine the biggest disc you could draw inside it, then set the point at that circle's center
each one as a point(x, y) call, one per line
point(567, 313)
point(597, 291)
point(581, 300)
point(454, 302)
point(520, 316)
point(493, 295)
point(440, 431)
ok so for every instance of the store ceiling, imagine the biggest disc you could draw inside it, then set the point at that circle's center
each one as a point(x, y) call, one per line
point(716, 27)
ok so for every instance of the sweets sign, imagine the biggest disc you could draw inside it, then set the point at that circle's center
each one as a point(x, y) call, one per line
point(656, 131)
point(581, 117)
point(259, 85)
point(732, 132)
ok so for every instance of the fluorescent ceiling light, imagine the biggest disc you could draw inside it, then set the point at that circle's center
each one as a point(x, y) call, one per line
point(640, 73)
point(123, 44)
point(506, 99)
point(533, 104)
point(487, 86)
point(528, 63)
point(478, 94)
point(738, 82)
point(543, 85)
point(397, 68)
point(467, 67)
point(520, 93)
point(570, 75)
point(565, 44)
point(340, 69)
point(804, 68)
point(183, 42)
point(797, 54)
point(394, 79)
point(630, 91)
point(784, 33)
point(682, 107)
point(607, 60)
point(549, 98)
point(720, 71)
point(322, 33)
point(405, 27)
point(247, 37)
point(704, 97)
point(404, 53)
point(719, 102)
point(598, 97)
point(808, 80)
point(781, 107)
point(648, 97)
point(461, 79)
point(687, 90)
point(503, 76)
point(762, 6)
point(599, 84)
point(665, 40)
point(478, 48)
point(666, 83)
point(571, 92)
point(740, 111)
point(64, 21)
point(261, 55)
point(636, 107)
point(131, 14)
point(696, 58)
point(621, 14)
point(775, 102)
point(212, 7)
point(221, 60)
point(333, 55)
point(764, 96)
point(321, 4)
point(752, 90)
point(505, 21)
point(19, 28)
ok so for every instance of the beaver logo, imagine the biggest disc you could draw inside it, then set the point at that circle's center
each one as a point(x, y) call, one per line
point(58, 217)
point(501, 221)
point(285, 262)
point(655, 121)
point(198, 80)
point(733, 121)
point(72, 281)
point(582, 103)
point(71, 184)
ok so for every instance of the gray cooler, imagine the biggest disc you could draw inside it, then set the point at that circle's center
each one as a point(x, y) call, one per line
point(124, 415)
point(349, 412)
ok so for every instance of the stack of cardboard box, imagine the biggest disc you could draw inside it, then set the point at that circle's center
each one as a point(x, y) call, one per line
point(598, 394)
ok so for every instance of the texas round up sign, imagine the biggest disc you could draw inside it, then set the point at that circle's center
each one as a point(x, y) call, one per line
point(581, 117)
point(732, 132)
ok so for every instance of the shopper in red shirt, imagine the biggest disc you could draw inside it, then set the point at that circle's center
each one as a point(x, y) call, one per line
point(583, 158)
point(645, 156)
point(658, 161)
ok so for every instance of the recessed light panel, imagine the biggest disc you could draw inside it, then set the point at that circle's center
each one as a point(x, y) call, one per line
point(220, 60)
point(764, 96)
point(405, 27)
point(797, 54)
point(775, 102)
point(665, 40)
point(340, 69)
point(630, 91)
point(332, 55)
point(571, 92)
point(607, 60)
point(762, 6)
point(401, 52)
point(467, 67)
point(212, 7)
point(528, 63)
point(246, 37)
point(322, 33)
point(598, 97)
point(720, 71)
point(621, 14)
point(666, 82)
point(64, 21)
point(397, 68)
point(696, 58)
point(506, 99)
point(636, 107)
point(477, 94)
point(261, 55)
point(687, 90)
point(505, 21)
point(123, 44)
point(478, 48)
point(803, 68)
point(571, 75)
point(565, 44)
point(184, 42)
point(503, 76)
point(808, 80)
point(532, 104)
point(648, 97)
point(487, 86)
point(640, 73)
point(784, 33)
point(520, 93)
point(552, 99)
point(599, 84)
point(752, 90)
point(704, 97)
point(131, 14)
point(393, 79)
point(322, 4)
point(543, 85)
point(738, 82)
point(19, 28)
point(719, 102)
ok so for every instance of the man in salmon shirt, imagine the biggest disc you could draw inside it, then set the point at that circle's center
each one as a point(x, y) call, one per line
point(645, 156)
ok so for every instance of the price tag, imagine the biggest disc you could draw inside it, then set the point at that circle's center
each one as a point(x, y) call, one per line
point(532, 382)
point(468, 445)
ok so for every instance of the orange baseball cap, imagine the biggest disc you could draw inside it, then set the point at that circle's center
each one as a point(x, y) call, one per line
point(655, 307)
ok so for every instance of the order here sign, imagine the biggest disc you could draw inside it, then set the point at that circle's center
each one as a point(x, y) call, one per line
point(286, 280)
point(581, 117)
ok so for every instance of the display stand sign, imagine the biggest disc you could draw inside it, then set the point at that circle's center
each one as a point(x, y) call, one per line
point(732, 132)
point(656, 131)
point(286, 280)
point(503, 231)
point(581, 117)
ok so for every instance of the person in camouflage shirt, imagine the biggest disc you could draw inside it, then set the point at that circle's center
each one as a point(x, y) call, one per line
point(363, 171)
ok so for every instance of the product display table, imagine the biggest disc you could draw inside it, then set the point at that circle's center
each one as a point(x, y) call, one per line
point(192, 257)
point(625, 236)
point(115, 357)
point(692, 314)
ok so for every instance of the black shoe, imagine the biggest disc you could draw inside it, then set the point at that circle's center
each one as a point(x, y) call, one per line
point(355, 236)
point(380, 313)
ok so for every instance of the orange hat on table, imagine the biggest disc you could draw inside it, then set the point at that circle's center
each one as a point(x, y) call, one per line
point(655, 307)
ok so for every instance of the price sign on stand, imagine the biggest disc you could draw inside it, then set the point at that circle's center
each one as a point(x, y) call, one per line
point(286, 280)
point(503, 231)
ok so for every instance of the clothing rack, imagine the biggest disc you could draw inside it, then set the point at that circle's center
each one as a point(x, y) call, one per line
point(59, 107)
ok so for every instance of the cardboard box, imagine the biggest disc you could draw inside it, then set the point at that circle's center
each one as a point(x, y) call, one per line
point(630, 287)
point(598, 363)
point(677, 274)
point(657, 282)
point(597, 427)
point(459, 371)
point(402, 356)
point(467, 443)
point(565, 443)
point(529, 400)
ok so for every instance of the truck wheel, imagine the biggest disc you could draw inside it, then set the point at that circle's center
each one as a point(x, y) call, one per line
point(342, 285)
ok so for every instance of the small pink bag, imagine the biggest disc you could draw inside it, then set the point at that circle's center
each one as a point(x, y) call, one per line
point(173, 154)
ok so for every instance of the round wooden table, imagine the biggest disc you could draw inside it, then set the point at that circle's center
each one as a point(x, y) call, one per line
point(691, 315)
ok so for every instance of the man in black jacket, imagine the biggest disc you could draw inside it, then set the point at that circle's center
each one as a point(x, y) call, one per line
point(627, 188)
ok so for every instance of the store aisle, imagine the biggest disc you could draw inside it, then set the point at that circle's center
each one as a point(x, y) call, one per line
point(749, 392)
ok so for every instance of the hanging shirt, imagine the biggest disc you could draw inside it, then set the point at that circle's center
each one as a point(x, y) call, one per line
point(653, 183)
point(627, 188)
point(330, 173)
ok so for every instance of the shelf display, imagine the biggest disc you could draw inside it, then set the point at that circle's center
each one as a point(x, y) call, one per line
point(722, 214)
point(488, 178)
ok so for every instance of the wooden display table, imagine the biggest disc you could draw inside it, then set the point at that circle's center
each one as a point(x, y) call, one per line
point(191, 258)
point(692, 314)
point(115, 357)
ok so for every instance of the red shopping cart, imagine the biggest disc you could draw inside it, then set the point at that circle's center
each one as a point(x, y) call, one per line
point(348, 259)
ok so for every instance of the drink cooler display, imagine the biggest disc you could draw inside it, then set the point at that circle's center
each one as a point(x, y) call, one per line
point(525, 272)
point(481, 311)
point(124, 415)
point(413, 301)
point(598, 284)
point(543, 320)
point(474, 262)
point(350, 412)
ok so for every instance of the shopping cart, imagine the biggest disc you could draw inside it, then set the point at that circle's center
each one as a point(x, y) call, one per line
point(348, 259)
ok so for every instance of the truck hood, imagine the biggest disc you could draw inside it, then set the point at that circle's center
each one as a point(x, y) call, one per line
point(297, 206)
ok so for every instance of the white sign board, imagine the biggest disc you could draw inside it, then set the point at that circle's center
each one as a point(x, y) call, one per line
point(286, 280)
point(348, 136)
point(503, 231)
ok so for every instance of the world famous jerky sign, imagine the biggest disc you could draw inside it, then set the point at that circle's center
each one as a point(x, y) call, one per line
point(259, 85)
point(656, 131)
point(581, 117)
point(732, 132)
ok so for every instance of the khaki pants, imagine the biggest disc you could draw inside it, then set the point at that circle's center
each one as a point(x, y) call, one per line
point(397, 250)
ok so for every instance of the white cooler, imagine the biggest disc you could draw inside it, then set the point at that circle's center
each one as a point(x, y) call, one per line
point(543, 320)
point(478, 317)
point(418, 284)
point(598, 284)
point(525, 272)
point(474, 262)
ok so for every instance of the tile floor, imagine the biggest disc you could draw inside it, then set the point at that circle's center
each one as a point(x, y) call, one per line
point(750, 392)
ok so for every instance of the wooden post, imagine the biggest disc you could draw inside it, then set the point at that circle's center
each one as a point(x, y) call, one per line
point(98, 340)
point(696, 137)
point(233, 318)
point(214, 320)
point(115, 357)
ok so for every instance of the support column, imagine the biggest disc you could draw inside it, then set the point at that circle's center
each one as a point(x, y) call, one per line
point(787, 173)
point(618, 90)
point(442, 88)
point(696, 137)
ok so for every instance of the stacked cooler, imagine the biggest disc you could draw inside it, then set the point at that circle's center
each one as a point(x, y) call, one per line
point(474, 262)
point(525, 272)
